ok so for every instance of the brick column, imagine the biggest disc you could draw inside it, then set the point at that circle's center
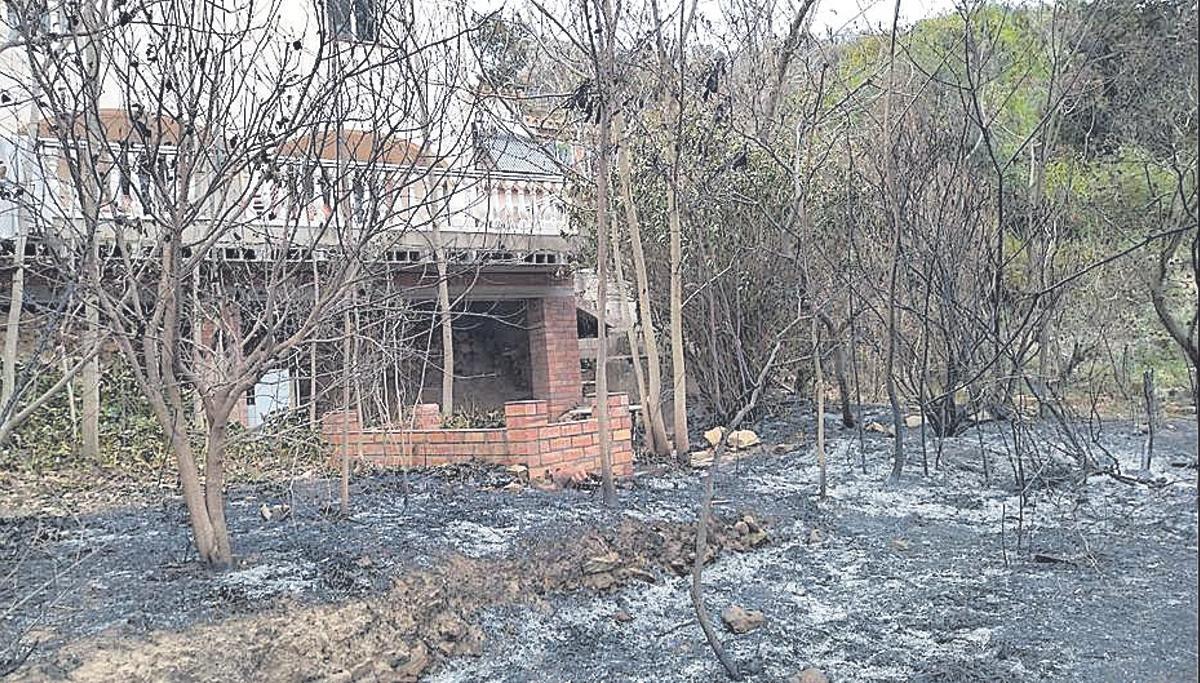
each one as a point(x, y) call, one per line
point(554, 353)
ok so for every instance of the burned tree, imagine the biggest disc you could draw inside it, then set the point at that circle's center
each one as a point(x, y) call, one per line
point(222, 161)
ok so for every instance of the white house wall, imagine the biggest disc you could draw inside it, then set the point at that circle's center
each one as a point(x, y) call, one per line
point(416, 81)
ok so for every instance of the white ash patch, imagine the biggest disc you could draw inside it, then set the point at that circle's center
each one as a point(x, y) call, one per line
point(269, 580)
point(788, 481)
point(478, 540)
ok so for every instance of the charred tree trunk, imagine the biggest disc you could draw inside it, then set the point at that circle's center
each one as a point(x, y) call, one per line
point(652, 399)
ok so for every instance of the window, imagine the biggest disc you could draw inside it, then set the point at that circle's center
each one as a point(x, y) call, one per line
point(352, 19)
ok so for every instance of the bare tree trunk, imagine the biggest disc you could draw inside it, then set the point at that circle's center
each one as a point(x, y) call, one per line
point(839, 366)
point(1148, 392)
point(445, 321)
point(1182, 332)
point(203, 532)
point(312, 357)
point(893, 304)
point(631, 331)
point(344, 487)
point(652, 398)
point(603, 55)
point(674, 116)
point(90, 207)
point(214, 489)
point(819, 390)
point(71, 411)
point(90, 385)
point(12, 333)
point(196, 323)
point(678, 369)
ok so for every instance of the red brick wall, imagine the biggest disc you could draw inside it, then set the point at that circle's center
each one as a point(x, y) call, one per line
point(528, 438)
point(554, 353)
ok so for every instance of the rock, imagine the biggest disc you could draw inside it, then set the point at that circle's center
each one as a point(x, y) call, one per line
point(602, 563)
point(713, 436)
point(743, 439)
point(810, 675)
point(274, 512)
point(701, 459)
point(913, 421)
point(750, 533)
point(623, 617)
point(741, 620)
point(417, 661)
point(567, 476)
point(755, 538)
point(879, 429)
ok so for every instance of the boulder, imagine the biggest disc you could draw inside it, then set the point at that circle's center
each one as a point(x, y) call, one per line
point(713, 436)
point(878, 428)
point(741, 620)
point(743, 439)
point(701, 459)
point(810, 675)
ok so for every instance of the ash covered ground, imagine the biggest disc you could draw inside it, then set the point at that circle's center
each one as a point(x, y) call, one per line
point(450, 577)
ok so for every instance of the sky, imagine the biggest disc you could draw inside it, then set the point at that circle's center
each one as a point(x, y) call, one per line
point(836, 15)
point(859, 15)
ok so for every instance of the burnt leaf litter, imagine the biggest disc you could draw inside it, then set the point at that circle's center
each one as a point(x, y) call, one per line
point(473, 573)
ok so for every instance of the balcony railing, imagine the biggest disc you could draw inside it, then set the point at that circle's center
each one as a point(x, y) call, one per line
point(462, 202)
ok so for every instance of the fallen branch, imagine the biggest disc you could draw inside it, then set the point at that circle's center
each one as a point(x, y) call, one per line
point(706, 506)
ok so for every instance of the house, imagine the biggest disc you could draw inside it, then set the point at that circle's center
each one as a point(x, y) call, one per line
point(452, 194)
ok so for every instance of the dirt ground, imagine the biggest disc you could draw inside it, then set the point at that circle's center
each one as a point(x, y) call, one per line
point(462, 576)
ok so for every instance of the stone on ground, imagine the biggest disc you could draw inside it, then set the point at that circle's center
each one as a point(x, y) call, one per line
point(810, 675)
point(741, 620)
point(743, 439)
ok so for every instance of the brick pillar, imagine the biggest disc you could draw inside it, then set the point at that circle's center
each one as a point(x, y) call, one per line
point(427, 416)
point(554, 353)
